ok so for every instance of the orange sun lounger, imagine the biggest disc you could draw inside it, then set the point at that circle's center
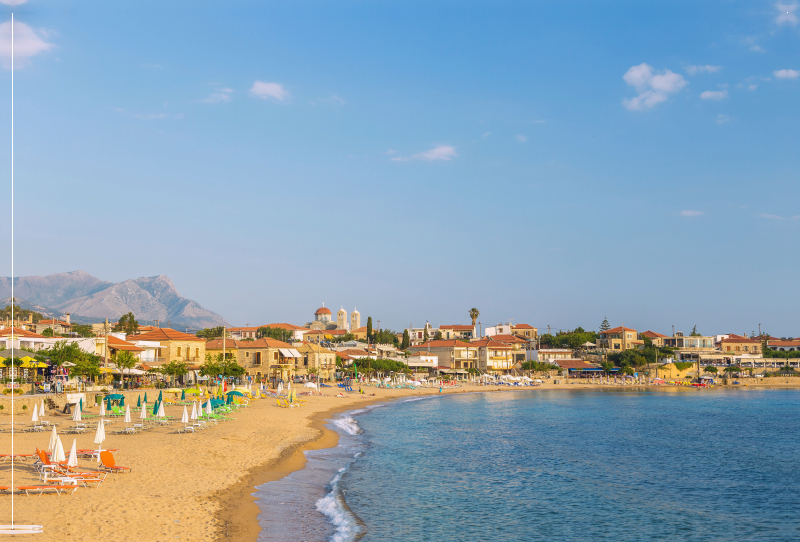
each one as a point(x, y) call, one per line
point(107, 462)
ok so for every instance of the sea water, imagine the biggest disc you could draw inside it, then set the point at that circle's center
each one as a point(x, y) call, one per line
point(572, 465)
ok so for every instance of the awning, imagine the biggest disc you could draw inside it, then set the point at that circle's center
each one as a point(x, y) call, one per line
point(290, 353)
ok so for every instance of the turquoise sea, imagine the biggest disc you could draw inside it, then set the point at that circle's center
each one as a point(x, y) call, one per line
point(679, 464)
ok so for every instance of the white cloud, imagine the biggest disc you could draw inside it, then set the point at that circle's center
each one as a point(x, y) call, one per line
point(653, 88)
point(694, 70)
point(220, 96)
point(442, 152)
point(786, 74)
point(691, 213)
point(521, 138)
point(487, 134)
point(13, 2)
point(751, 87)
point(264, 90)
point(722, 119)
point(714, 95)
point(771, 217)
point(786, 14)
point(27, 43)
point(335, 100)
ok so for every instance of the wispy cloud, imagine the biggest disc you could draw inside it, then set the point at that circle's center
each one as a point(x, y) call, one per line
point(653, 88)
point(786, 14)
point(13, 3)
point(219, 96)
point(714, 95)
point(786, 74)
point(694, 70)
point(274, 91)
point(521, 138)
point(722, 118)
point(442, 152)
point(750, 41)
point(690, 213)
point(27, 43)
point(334, 100)
point(487, 134)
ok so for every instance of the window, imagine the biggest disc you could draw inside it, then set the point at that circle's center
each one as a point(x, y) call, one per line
point(197, 352)
point(275, 356)
point(179, 351)
point(247, 354)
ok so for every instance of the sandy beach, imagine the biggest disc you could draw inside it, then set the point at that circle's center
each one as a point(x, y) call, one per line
point(192, 486)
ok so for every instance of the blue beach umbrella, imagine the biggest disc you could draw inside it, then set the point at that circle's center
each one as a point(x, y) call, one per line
point(183, 395)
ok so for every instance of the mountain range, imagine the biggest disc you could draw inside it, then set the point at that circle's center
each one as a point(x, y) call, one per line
point(88, 298)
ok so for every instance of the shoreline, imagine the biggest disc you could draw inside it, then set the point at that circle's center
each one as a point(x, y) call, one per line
point(238, 512)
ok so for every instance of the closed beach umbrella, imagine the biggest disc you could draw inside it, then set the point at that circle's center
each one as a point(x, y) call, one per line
point(100, 435)
point(139, 401)
point(53, 437)
point(58, 452)
point(279, 390)
point(155, 407)
point(183, 395)
point(143, 414)
point(122, 401)
point(145, 397)
point(127, 414)
point(229, 399)
point(193, 415)
point(160, 398)
point(80, 404)
point(185, 417)
point(161, 410)
point(208, 407)
point(73, 454)
point(102, 408)
point(35, 416)
point(77, 416)
point(41, 409)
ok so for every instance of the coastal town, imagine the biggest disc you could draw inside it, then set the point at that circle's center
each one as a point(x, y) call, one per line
point(327, 347)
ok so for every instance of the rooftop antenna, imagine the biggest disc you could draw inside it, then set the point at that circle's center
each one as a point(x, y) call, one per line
point(14, 529)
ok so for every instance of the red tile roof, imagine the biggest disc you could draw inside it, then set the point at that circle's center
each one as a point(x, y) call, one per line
point(421, 354)
point(20, 333)
point(509, 339)
point(264, 342)
point(458, 328)
point(165, 334)
point(739, 339)
point(795, 342)
point(617, 329)
point(573, 364)
point(652, 335)
point(522, 326)
point(119, 344)
point(443, 344)
point(323, 310)
point(284, 326)
point(489, 343)
point(53, 322)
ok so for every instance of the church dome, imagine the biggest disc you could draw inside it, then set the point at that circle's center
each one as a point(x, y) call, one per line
point(322, 310)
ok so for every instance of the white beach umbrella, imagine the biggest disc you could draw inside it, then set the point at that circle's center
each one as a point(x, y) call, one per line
point(102, 408)
point(77, 416)
point(279, 389)
point(53, 437)
point(73, 454)
point(143, 414)
point(185, 417)
point(58, 452)
point(193, 415)
point(35, 416)
point(127, 414)
point(208, 407)
point(161, 410)
point(41, 409)
point(100, 435)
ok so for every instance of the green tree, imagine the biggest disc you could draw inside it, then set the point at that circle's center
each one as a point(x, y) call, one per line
point(125, 361)
point(425, 335)
point(473, 314)
point(127, 324)
point(211, 333)
point(438, 336)
point(174, 369)
point(694, 332)
point(711, 369)
point(406, 340)
point(276, 333)
point(217, 366)
point(605, 326)
point(87, 365)
point(62, 352)
point(48, 332)
point(82, 330)
point(369, 327)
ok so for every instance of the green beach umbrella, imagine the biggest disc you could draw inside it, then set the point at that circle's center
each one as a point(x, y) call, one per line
point(145, 397)
point(80, 403)
point(139, 401)
point(355, 369)
point(229, 400)
point(155, 407)
point(122, 401)
point(183, 395)
point(159, 397)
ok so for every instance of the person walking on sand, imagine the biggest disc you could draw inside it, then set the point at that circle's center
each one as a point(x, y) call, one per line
point(440, 389)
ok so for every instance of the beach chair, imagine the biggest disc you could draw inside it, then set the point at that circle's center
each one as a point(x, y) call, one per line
point(41, 489)
point(107, 462)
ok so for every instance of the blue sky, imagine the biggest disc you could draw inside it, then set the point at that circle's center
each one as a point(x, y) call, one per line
point(547, 162)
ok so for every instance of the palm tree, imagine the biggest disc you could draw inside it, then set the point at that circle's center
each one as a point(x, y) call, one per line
point(474, 313)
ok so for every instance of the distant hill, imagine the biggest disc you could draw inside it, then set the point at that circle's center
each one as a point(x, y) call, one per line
point(88, 298)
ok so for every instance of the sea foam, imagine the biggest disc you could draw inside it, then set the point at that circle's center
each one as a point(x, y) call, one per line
point(332, 506)
point(348, 425)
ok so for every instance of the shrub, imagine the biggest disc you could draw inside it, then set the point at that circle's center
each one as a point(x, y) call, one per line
point(24, 407)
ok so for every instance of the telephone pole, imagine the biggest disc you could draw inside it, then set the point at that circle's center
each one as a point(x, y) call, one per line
point(105, 345)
